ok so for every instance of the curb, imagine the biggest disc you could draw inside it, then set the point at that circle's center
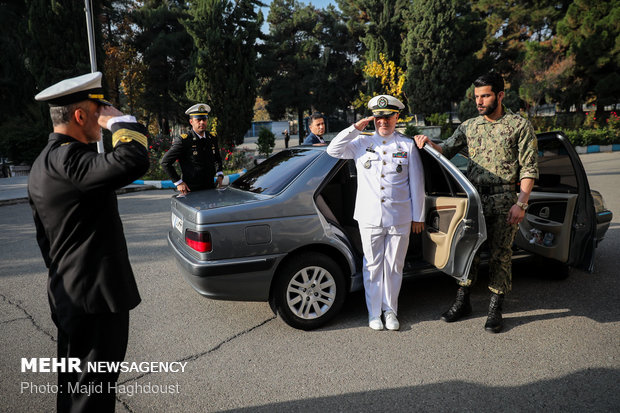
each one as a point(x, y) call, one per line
point(597, 148)
point(168, 184)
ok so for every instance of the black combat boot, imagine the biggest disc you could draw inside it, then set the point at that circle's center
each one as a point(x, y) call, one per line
point(460, 308)
point(495, 322)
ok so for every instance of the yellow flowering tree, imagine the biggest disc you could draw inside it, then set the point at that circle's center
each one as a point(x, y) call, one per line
point(391, 77)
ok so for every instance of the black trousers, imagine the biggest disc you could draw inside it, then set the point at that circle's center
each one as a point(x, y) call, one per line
point(91, 338)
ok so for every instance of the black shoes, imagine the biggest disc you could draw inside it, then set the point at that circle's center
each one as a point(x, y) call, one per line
point(495, 322)
point(460, 308)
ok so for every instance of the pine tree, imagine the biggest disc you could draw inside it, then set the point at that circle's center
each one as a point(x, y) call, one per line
point(439, 50)
point(307, 62)
point(591, 33)
point(165, 47)
point(225, 35)
point(52, 46)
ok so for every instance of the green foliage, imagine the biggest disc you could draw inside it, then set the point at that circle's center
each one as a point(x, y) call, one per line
point(158, 146)
point(591, 33)
point(412, 130)
point(236, 160)
point(563, 121)
point(266, 141)
point(379, 25)
point(225, 35)
point(439, 53)
point(24, 136)
point(307, 61)
point(33, 33)
point(165, 47)
point(510, 25)
point(585, 137)
point(437, 119)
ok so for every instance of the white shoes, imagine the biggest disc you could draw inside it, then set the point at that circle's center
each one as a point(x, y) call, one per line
point(391, 322)
point(375, 324)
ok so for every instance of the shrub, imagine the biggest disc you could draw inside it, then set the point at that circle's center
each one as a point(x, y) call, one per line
point(158, 146)
point(266, 141)
point(412, 130)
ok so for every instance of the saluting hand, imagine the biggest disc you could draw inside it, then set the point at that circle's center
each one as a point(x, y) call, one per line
point(362, 123)
point(106, 113)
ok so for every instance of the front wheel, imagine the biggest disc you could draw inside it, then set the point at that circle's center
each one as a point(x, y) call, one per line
point(309, 291)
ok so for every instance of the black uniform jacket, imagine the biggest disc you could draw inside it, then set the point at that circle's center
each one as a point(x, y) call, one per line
point(71, 190)
point(199, 158)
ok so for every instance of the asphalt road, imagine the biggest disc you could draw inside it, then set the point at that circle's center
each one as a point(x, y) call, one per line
point(560, 350)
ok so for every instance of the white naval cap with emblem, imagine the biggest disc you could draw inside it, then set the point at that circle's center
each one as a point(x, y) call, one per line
point(385, 105)
point(73, 90)
point(199, 110)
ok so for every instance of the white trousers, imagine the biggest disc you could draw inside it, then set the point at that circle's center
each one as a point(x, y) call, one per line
point(384, 258)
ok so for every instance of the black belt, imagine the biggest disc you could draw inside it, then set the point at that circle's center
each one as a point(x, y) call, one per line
point(495, 189)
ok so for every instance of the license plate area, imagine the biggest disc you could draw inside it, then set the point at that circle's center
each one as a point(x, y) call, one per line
point(177, 223)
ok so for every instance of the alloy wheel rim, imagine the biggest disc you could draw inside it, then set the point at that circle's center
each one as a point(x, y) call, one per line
point(311, 292)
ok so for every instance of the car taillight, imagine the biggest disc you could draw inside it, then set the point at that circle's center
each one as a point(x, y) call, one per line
point(199, 241)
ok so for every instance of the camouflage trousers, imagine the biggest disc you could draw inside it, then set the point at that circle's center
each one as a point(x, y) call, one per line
point(500, 236)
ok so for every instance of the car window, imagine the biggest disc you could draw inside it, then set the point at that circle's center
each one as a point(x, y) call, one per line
point(275, 173)
point(555, 169)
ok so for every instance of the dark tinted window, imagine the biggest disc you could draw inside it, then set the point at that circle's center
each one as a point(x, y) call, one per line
point(555, 169)
point(272, 175)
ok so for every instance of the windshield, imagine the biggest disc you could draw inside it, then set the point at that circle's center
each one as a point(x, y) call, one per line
point(275, 173)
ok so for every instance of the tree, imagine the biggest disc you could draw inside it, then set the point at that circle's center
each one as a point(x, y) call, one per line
point(225, 37)
point(124, 68)
point(165, 48)
point(336, 78)
point(439, 53)
point(591, 34)
point(307, 61)
point(388, 75)
point(288, 62)
point(51, 42)
point(266, 141)
point(380, 27)
point(510, 25)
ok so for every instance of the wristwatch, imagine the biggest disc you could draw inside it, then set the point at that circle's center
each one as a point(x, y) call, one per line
point(522, 205)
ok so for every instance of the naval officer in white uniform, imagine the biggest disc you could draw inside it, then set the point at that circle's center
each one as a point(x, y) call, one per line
point(389, 203)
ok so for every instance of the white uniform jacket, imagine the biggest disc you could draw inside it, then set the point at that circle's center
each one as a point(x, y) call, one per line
point(390, 176)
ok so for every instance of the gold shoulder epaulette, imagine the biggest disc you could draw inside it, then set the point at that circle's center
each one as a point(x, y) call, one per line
point(183, 135)
point(367, 133)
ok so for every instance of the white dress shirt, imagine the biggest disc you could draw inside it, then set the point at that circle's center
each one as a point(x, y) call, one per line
point(390, 176)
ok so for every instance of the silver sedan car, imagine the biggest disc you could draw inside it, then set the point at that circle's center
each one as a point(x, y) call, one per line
point(284, 232)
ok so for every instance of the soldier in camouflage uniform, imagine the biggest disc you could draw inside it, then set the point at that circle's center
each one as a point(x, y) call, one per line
point(503, 150)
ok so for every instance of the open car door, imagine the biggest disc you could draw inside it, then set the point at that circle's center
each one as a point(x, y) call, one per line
point(560, 222)
point(454, 227)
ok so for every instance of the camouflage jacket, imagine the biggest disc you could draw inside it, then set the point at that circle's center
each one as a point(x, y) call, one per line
point(500, 152)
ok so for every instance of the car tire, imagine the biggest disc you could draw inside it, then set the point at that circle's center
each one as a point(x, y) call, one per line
point(309, 291)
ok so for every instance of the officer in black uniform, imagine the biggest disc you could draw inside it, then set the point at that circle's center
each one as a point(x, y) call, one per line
point(71, 190)
point(197, 152)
